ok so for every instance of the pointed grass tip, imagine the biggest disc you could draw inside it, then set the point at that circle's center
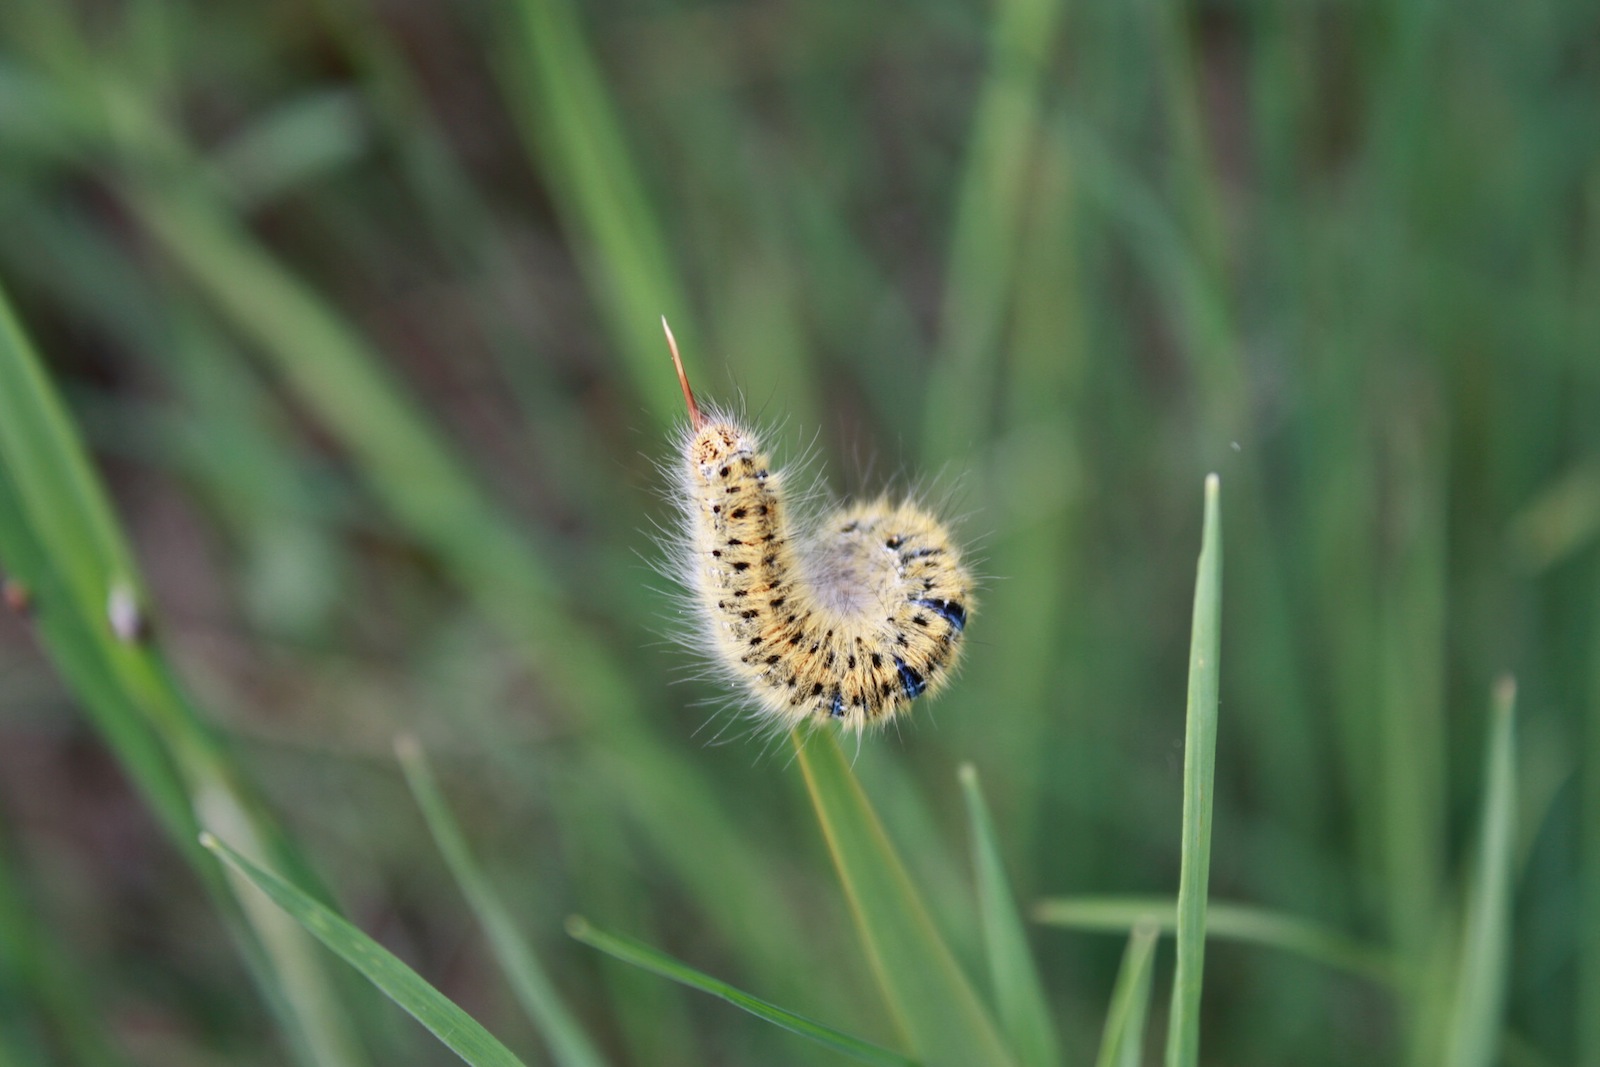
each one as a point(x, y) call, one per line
point(696, 420)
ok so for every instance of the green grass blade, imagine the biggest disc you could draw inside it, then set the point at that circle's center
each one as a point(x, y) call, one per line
point(987, 228)
point(460, 1032)
point(73, 642)
point(1588, 946)
point(932, 1001)
point(1199, 787)
point(1477, 1013)
point(55, 483)
point(1412, 623)
point(1019, 995)
point(1122, 1041)
point(641, 955)
point(1233, 922)
point(559, 93)
point(569, 1043)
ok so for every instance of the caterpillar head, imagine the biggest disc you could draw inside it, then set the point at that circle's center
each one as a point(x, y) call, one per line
point(715, 443)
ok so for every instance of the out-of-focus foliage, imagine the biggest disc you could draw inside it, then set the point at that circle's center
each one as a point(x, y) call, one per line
point(356, 301)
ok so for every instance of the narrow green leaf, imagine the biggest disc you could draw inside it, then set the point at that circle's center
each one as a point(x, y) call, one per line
point(1122, 1041)
point(641, 955)
point(569, 1043)
point(1408, 691)
point(54, 481)
point(1588, 945)
point(931, 999)
point(1234, 922)
point(559, 93)
point(1199, 786)
point(1477, 1014)
point(1018, 993)
point(988, 224)
point(459, 1031)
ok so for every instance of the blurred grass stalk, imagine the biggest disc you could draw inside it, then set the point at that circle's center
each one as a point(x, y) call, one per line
point(1476, 1021)
point(1410, 639)
point(1199, 789)
point(1122, 1039)
point(1588, 942)
point(1224, 921)
point(987, 228)
point(570, 1045)
point(60, 539)
point(555, 87)
point(1018, 992)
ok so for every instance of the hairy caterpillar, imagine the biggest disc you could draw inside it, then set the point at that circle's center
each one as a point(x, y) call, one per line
point(848, 618)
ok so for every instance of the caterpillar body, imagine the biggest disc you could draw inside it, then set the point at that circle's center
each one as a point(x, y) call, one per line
point(845, 619)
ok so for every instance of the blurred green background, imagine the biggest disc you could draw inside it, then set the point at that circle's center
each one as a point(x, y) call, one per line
point(356, 303)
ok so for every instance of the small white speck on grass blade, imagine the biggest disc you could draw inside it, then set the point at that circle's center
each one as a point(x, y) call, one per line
point(124, 614)
point(1199, 780)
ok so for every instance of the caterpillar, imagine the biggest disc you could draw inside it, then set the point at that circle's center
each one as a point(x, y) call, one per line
point(847, 618)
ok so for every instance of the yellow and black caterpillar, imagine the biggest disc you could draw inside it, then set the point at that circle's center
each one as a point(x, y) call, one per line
point(847, 619)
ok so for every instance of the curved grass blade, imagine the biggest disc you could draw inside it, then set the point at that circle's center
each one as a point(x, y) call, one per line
point(1232, 922)
point(1199, 786)
point(1477, 1014)
point(935, 1005)
point(641, 955)
point(1122, 1041)
point(1018, 994)
point(460, 1032)
point(569, 1044)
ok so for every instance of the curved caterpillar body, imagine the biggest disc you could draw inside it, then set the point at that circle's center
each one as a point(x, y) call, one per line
point(847, 619)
